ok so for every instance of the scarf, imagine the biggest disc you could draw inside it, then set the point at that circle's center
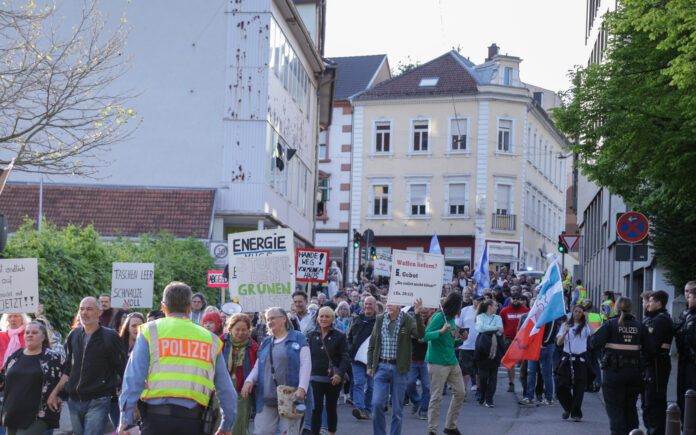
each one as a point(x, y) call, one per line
point(236, 356)
point(14, 345)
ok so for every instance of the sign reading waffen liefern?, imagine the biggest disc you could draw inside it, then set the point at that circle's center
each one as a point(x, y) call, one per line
point(262, 268)
point(19, 285)
point(132, 283)
point(415, 275)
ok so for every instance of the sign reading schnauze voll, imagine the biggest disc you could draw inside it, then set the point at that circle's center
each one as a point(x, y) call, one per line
point(262, 268)
point(132, 283)
point(19, 285)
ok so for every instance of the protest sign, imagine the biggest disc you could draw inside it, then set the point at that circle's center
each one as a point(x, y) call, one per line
point(449, 275)
point(217, 279)
point(268, 283)
point(383, 263)
point(312, 265)
point(19, 285)
point(132, 283)
point(416, 275)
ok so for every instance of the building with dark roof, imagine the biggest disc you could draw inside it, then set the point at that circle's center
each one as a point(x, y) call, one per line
point(461, 150)
point(354, 75)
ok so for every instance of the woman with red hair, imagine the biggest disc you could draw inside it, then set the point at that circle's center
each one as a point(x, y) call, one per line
point(212, 322)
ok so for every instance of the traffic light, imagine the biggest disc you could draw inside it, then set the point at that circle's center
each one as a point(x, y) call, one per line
point(356, 239)
point(561, 246)
point(373, 252)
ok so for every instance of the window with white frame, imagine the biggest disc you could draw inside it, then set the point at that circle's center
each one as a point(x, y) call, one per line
point(507, 76)
point(545, 161)
point(457, 199)
point(420, 136)
point(544, 228)
point(527, 207)
point(503, 199)
point(383, 137)
point(534, 150)
point(539, 156)
point(505, 135)
point(538, 215)
point(529, 144)
point(380, 199)
point(458, 134)
point(417, 199)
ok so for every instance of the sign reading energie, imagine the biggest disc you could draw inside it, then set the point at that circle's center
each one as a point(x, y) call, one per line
point(262, 269)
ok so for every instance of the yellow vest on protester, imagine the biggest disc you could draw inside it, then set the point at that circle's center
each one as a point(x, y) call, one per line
point(582, 294)
point(182, 360)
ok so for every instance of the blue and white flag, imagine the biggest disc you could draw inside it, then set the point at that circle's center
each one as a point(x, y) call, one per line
point(435, 245)
point(550, 298)
point(481, 273)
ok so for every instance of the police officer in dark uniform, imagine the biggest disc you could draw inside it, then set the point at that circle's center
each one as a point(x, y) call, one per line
point(656, 374)
point(685, 335)
point(623, 339)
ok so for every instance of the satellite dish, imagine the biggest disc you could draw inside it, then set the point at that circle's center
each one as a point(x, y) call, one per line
point(230, 308)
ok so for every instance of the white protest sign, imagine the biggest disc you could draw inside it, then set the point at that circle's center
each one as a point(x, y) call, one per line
point(256, 246)
point(263, 282)
point(312, 265)
point(416, 275)
point(449, 275)
point(132, 283)
point(19, 285)
point(383, 264)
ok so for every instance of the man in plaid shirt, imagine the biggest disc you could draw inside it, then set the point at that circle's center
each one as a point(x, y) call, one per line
point(389, 361)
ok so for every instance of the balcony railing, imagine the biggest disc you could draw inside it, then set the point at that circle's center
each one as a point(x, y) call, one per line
point(503, 222)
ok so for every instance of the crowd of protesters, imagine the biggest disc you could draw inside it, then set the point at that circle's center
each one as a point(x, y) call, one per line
point(342, 342)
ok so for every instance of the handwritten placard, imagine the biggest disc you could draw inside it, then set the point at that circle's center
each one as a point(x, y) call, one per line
point(312, 265)
point(263, 282)
point(19, 285)
point(246, 248)
point(416, 275)
point(382, 264)
point(132, 283)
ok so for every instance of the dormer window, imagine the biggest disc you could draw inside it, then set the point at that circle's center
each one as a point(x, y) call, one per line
point(428, 82)
point(507, 76)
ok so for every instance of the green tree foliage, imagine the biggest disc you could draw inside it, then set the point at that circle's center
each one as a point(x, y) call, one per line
point(404, 66)
point(634, 119)
point(75, 263)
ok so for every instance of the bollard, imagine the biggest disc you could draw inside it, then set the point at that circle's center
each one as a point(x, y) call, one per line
point(636, 432)
point(690, 412)
point(673, 423)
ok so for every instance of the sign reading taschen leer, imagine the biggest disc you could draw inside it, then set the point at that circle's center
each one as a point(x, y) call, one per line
point(132, 283)
point(416, 275)
point(262, 268)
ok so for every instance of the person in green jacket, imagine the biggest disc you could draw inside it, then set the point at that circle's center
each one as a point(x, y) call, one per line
point(389, 361)
point(443, 367)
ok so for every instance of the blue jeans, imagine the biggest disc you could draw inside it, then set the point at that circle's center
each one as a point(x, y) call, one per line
point(419, 370)
point(89, 417)
point(387, 375)
point(362, 387)
point(545, 362)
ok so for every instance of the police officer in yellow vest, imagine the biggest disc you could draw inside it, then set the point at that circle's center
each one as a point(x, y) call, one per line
point(173, 370)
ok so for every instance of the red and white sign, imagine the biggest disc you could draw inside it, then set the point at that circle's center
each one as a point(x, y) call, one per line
point(571, 241)
point(216, 279)
point(312, 265)
point(416, 275)
point(632, 227)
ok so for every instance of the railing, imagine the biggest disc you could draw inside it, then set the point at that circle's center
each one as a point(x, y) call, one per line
point(505, 222)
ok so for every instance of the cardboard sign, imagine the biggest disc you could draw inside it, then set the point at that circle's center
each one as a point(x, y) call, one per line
point(449, 275)
point(216, 279)
point(19, 285)
point(257, 287)
point(312, 265)
point(383, 263)
point(132, 283)
point(416, 275)
point(263, 282)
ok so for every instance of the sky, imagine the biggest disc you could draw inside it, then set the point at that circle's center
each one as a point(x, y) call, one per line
point(547, 34)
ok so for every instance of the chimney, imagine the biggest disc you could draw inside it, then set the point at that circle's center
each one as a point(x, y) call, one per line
point(492, 51)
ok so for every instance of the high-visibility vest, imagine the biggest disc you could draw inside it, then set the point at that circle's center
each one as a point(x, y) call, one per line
point(182, 360)
point(607, 309)
point(582, 294)
point(595, 320)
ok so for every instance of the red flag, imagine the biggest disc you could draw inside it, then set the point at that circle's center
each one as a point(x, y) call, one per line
point(524, 346)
